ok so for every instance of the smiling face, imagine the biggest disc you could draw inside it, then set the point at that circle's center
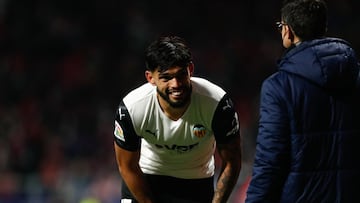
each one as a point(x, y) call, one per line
point(173, 85)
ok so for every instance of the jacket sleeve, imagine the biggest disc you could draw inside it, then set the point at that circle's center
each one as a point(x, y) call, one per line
point(272, 156)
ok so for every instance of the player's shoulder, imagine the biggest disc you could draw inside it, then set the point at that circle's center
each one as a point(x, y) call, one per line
point(207, 88)
point(139, 94)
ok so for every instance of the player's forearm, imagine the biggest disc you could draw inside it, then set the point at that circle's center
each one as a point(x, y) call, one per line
point(225, 184)
point(128, 165)
point(138, 186)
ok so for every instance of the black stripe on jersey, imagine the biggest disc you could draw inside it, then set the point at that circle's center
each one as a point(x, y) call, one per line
point(225, 123)
point(132, 140)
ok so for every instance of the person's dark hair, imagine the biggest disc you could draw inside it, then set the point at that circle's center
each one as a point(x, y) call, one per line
point(166, 52)
point(306, 18)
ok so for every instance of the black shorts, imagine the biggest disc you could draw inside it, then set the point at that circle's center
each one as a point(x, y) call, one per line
point(168, 189)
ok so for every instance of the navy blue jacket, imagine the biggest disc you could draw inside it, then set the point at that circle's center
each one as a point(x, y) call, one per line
point(309, 129)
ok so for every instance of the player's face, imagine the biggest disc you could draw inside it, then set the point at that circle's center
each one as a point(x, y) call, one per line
point(174, 86)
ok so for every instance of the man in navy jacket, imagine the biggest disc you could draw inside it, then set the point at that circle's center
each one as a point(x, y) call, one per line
point(309, 130)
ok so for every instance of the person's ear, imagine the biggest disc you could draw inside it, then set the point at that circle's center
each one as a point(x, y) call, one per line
point(149, 77)
point(290, 33)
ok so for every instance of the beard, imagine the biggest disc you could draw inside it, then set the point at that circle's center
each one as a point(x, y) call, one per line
point(177, 103)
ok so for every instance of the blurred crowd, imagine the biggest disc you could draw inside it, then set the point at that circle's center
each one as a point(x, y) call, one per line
point(65, 65)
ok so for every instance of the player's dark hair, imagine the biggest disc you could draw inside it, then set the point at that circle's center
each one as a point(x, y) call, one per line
point(166, 52)
point(306, 18)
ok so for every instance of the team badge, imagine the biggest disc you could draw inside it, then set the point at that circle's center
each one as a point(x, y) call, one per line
point(199, 131)
point(118, 132)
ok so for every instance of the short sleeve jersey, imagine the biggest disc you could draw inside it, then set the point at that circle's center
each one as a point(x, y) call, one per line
point(183, 148)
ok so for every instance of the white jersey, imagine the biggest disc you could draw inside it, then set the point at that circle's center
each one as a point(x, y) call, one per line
point(183, 148)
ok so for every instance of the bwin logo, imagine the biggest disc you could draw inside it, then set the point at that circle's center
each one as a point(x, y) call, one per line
point(177, 148)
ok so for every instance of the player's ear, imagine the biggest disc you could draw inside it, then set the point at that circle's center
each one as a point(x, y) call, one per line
point(149, 77)
point(290, 34)
point(191, 68)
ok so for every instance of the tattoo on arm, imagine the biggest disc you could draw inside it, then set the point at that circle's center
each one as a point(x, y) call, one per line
point(231, 164)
